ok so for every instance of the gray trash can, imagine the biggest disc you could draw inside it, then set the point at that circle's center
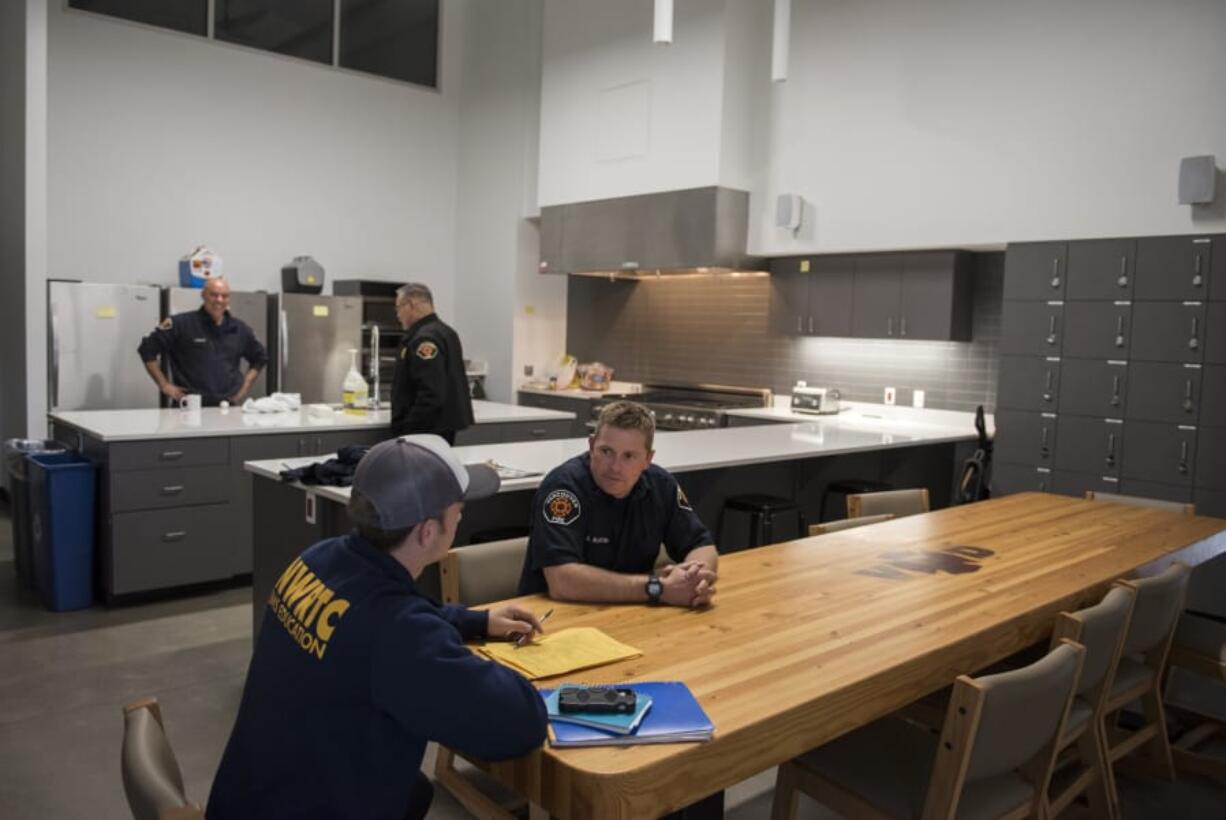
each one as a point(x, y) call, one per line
point(15, 452)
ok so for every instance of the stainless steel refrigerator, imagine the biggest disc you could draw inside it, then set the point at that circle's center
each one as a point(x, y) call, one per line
point(92, 335)
point(251, 307)
point(311, 345)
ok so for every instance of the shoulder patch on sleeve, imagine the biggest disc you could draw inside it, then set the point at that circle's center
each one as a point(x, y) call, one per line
point(561, 507)
point(166, 324)
point(682, 501)
point(426, 350)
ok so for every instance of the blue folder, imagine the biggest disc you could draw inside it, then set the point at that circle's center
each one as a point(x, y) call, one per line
point(675, 717)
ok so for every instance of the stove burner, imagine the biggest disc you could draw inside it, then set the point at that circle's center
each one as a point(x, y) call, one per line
point(693, 407)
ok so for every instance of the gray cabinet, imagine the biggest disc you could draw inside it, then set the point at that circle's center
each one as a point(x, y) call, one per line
point(1032, 328)
point(581, 406)
point(936, 297)
point(1029, 383)
point(1211, 458)
point(1035, 271)
point(1078, 484)
point(1101, 269)
point(1215, 331)
point(812, 295)
point(1090, 445)
point(1097, 330)
point(1173, 268)
point(1161, 453)
point(1163, 391)
point(1093, 387)
point(1213, 396)
point(1168, 331)
point(157, 549)
point(1025, 437)
point(876, 294)
point(1020, 478)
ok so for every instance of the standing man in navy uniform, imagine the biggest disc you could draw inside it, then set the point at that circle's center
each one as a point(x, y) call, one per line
point(598, 521)
point(204, 347)
point(355, 669)
point(429, 387)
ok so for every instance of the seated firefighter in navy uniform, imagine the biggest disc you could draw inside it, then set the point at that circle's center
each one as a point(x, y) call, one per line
point(355, 669)
point(598, 521)
point(205, 348)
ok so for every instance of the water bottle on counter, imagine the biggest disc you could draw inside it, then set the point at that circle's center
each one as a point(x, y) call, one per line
point(353, 389)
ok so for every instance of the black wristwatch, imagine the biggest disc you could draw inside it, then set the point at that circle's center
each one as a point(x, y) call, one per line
point(654, 589)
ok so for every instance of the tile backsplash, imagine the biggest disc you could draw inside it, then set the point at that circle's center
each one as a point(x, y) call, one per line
point(715, 330)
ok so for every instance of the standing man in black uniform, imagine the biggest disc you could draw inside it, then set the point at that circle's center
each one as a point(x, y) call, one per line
point(598, 521)
point(429, 387)
point(204, 347)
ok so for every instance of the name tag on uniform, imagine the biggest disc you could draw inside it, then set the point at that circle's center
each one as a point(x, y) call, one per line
point(200, 340)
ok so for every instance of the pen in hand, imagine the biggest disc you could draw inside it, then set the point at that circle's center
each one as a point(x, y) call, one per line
point(525, 638)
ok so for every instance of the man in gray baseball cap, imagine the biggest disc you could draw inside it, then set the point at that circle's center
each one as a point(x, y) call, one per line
point(355, 670)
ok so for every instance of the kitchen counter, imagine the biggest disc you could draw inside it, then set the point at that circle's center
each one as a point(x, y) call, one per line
point(889, 418)
point(137, 425)
point(689, 450)
point(616, 388)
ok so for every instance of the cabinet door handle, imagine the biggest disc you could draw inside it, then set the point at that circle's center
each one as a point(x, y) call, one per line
point(1122, 281)
point(800, 324)
point(1115, 391)
point(172, 489)
point(1044, 450)
point(1047, 387)
point(1119, 330)
point(176, 535)
point(538, 432)
point(1193, 342)
point(1055, 272)
point(1183, 457)
point(1187, 396)
point(889, 326)
point(810, 324)
point(1111, 449)
point(1197, 279)
point(171, 455)
point(902, 326)
point(1051, 329)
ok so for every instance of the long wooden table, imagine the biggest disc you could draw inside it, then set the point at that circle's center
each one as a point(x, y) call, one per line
point(812, 638)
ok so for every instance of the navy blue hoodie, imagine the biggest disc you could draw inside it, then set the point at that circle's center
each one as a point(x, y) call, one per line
point(354, 670)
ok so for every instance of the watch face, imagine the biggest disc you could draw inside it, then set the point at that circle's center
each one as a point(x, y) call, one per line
point(654, 589)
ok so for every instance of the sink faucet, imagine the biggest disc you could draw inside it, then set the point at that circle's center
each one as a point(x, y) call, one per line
point(374, 364)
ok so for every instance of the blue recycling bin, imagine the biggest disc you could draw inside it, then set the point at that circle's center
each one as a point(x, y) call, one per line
point(62, 528)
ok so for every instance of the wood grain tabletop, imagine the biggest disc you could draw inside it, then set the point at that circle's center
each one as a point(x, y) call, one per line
point(809, 639)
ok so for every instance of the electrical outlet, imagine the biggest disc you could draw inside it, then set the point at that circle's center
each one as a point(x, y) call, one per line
point(917, 398)
point(889, 395)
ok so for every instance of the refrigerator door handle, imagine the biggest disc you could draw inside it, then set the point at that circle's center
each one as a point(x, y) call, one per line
point(55, 360)
point(284, 333)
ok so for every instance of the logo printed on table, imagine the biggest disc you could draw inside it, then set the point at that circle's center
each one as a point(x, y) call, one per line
point(902, 564)
point(561, 507)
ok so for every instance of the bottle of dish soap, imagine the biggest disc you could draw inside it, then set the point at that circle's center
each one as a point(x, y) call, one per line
point(354, 390)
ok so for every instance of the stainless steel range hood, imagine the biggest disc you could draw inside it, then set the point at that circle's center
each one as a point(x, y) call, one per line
point(698, 231)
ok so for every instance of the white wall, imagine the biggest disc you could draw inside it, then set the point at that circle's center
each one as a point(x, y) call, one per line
point(506, 313)
point(158, 141)
point(954, 122)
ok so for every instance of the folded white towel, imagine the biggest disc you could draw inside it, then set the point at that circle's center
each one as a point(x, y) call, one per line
point(276, 403)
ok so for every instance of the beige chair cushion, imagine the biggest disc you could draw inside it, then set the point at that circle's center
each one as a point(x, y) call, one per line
point(848, 523)
point(896, 502)
point(151, 776)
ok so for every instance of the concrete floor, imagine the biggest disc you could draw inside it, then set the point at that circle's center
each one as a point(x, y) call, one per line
point(65, 676)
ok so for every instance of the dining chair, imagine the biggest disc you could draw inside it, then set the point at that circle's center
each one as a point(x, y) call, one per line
point(1198, 649)
point(152, 779)
point(1139, 501)
point(993, 757)
point(473, 575)
point(1139, 674)
point(848, 523)
point(1100, 629)
point(896, 502)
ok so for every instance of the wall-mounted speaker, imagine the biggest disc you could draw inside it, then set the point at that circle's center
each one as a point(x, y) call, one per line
point(1197, 177)
point(789, 211)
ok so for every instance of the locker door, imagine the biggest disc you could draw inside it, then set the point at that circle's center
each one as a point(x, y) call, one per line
point(1032, 328)
point(1090, 445)
point(1093, 387)
point(1025, 437)
point(1163, 391)
point(1097, 330)
point(1163, 453)
point(1168, 332)
point(1028, 383)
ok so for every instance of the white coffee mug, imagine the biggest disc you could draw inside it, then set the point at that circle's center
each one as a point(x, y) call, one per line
point(192, 402)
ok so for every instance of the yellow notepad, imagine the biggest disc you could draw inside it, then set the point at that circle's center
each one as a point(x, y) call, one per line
point(560, 652)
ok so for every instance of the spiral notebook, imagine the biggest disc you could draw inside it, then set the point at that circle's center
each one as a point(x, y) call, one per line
point(675, 716)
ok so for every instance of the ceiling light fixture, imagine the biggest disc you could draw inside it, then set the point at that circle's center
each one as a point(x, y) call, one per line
point(662, 30)
point(779, 43)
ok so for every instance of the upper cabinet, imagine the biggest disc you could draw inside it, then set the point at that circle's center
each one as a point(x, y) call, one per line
point(1036, 271)
point(1174, 268)
point(874, 296)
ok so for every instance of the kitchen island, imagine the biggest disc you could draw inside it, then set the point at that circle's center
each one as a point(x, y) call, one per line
point(792, 460)
point(174, 502)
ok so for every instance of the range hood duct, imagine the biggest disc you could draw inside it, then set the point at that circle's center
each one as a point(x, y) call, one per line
point(697, 231)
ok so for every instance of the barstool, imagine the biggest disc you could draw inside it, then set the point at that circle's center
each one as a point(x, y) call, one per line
point(844, 487)
point(762, 510)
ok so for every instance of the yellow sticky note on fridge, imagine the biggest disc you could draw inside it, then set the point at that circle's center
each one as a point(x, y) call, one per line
point(321, 310)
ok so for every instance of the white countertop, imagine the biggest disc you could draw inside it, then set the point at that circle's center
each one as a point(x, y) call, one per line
point(616, 388)
point(898, 417)
point(136, 425)
point(695, 449)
